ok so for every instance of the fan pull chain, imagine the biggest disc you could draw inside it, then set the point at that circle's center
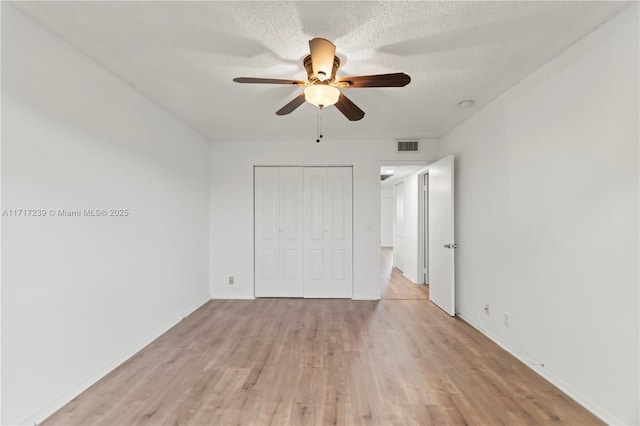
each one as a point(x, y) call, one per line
point(319, 126)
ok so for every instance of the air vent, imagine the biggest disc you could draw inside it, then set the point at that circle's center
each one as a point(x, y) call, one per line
point(407, 146)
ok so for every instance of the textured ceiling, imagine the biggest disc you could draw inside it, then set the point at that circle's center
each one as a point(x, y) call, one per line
point(184, 55)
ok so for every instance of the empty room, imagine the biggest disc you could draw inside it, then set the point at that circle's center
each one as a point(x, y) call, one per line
point(314, 213)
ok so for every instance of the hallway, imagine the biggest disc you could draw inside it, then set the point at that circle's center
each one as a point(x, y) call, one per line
point(395, 285)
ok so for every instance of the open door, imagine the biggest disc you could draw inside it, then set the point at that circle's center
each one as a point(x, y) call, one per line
point(441, 235)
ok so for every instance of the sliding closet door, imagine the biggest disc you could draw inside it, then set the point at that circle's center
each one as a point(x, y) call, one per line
point(328, 232)
point(278, 232)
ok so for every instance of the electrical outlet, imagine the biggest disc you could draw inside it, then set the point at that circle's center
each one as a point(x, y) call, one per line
point(486, 308)
point(506, 319)
point(231, 280)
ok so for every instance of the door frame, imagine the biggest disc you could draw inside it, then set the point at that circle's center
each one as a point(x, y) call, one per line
point(423, 230)
point(395, 224)
point(424, 163)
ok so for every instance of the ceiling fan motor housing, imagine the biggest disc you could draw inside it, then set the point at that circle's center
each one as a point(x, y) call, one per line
point(313, 79)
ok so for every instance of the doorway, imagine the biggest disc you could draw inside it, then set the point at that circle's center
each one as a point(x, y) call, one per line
point(399, 251)
point(428, 244)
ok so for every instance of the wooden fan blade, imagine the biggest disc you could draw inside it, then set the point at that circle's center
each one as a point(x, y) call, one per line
point(348, 108)
point(398, 79)
point(322, 54)
point(291, 106)
point(268, 81)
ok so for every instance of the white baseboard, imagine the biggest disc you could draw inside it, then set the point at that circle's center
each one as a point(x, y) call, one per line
point(232, 297)
point(195, 307)
point(250, 297)
point(369, 297)
point(409, 278)
point(60, 401)
point(577, 396)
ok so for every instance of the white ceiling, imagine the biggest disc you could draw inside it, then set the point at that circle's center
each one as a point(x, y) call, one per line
point(184, 55)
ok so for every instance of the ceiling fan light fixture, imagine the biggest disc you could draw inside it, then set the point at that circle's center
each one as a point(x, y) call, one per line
point(322, 88)
point(321, 95)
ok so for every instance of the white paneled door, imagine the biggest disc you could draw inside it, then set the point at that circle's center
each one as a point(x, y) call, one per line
point(327, 232)
point(441, 235)
point(303, 232)
point(278, 231)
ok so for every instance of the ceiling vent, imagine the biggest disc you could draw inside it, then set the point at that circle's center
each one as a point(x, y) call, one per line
point(407, 145)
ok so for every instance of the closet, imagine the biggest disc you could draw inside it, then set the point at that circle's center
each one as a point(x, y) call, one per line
point(303, 232)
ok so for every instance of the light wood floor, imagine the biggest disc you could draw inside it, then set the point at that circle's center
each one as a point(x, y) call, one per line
point(321, 362)
point(394, 284)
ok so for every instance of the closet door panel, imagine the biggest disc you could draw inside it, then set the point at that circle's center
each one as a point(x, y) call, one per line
point(315, 230)
point(266, 230)
point(337, 207)
point(291, 239)
point(340, 229)
point(278, 232)
point(316, 266)
point(289, 261)
point(327, 195)
point(338, 269)
point(315, 192)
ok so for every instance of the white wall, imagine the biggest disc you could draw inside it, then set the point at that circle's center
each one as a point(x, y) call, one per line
point(411, 227)
point(232, 204)
point(547, 219)
point(386, 217)
point(81, 294)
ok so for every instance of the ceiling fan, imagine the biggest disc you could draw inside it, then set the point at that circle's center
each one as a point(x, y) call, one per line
point(322, 88)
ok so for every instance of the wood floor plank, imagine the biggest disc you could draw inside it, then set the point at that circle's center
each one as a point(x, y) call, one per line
point(322, 362)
